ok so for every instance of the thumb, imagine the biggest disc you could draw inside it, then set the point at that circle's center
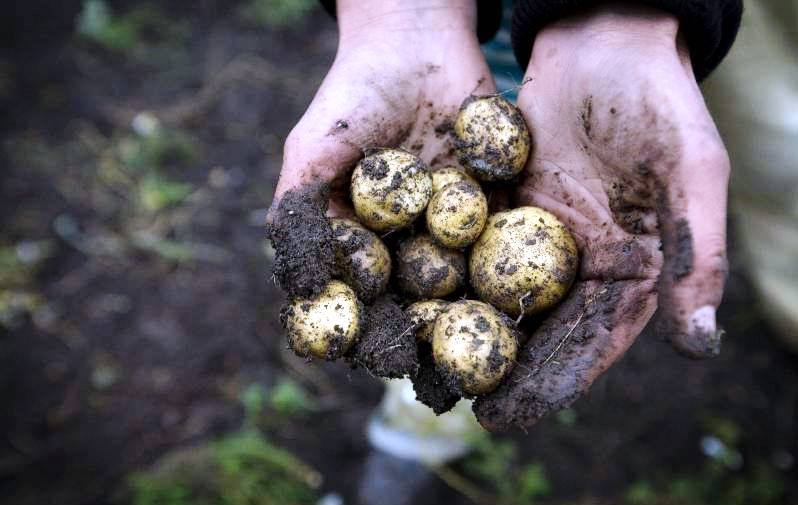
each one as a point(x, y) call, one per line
point(691, 212)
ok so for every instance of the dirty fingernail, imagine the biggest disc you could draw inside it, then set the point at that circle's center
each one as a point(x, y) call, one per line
point(703, 330)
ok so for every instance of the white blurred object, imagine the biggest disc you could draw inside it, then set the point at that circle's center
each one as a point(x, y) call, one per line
point(145, 124)
point(754, 98)
point(407, 429)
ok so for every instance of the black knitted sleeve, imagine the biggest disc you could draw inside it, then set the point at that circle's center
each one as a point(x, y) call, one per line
point(709, 26)
point(489, 17)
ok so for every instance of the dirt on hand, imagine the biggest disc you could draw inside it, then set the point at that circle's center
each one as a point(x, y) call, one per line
point(303, 243)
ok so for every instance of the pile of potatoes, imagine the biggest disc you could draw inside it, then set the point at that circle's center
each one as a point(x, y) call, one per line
point(516, 262)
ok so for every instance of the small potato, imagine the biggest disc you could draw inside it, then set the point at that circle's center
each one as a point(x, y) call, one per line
point(444, 176)
point(491, 138)
point(456, 214)
point(427, 270)
point(390, 189)
point(524, 261)
point(361, 259)
point(326, 326)
point(475, 345)
point(423, 315)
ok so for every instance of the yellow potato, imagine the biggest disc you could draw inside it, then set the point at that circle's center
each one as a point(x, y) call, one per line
point(427, 270)
point(447, 175)
point(491, 138)
point(423, 315)
point(475, 345)
point(390, 189)
point(361, 259)
point(456, 214)
point(325, 326)
point(524, 261)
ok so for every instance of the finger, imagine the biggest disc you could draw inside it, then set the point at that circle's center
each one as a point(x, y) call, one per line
point(584, 336)
point(691, 210)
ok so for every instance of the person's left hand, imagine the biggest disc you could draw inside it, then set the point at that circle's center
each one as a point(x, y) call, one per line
point(627, 156)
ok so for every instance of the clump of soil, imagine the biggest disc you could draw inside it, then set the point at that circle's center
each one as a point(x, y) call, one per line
point(302, 238)
point(387, 346)
point(432, 388)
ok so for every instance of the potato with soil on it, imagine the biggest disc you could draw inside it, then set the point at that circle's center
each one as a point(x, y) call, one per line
point(324, 326)
point(491, 138)
point(524, 262)
point(423, 315)
point(426, 270)
point(390, 189)
point(361, 259)
point(456, 214)
point(442, 177)
point(474, 345)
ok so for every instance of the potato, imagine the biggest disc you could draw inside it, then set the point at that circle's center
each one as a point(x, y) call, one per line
point(474, 345)
point(361, 259)
point(524, 261)
point(427, 270)
point(447, 175)
point(456, 214)
point(491, 138)
point(423, 315)
point(325, 326)
point(390, 189)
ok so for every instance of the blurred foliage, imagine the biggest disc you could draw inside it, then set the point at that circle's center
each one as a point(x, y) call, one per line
point(289, 399)
point(157, 192)
point(240, 469)
point(243, 468)
point(132, 34)
point(275, 13)
point(494, 464)
point(19, 264)
point(723, 479)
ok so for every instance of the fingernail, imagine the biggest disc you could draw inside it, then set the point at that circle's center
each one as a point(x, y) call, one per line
point(703, 329)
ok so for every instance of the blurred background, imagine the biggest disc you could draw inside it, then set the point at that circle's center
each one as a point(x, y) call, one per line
point(142, 361)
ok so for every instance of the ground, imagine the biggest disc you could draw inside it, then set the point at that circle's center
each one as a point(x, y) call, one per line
point(139, 316)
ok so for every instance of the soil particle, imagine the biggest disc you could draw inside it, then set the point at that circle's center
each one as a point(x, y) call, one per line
point(586, 115)
point(387, 346)
point(682, 259)
point(375, 167)
point(302, 241)
point(431, 386)
point(482, 324)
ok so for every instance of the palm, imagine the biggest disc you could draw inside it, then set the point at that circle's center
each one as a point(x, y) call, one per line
point(621, 148)
point(376, 96)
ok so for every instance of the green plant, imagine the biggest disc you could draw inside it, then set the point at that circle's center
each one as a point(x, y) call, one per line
point(275, 13)
point(494, 463)
point(288, 398)
point(240, 469)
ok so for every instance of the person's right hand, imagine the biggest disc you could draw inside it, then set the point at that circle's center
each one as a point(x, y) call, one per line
point(401, 72)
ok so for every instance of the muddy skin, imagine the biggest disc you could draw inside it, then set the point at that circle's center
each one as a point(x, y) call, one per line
point(352, 271)
point(552, 369)
point(431, 386)
point(387, 346)
point(302, 240)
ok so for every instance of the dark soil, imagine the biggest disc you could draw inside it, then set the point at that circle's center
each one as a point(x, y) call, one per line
point(387, 346)
point(301, 235)
point(431, 386)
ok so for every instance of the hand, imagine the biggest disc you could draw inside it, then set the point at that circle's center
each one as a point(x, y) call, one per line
point(626, 154)
point(401, 71)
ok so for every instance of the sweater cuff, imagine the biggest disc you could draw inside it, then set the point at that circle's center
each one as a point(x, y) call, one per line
point(489, 17)
point(709, 26)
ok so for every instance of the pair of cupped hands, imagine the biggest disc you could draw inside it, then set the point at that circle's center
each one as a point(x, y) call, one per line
point(624, 152)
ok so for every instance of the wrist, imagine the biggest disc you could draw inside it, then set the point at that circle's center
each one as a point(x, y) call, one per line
point(419, 20)
point(612, 25)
